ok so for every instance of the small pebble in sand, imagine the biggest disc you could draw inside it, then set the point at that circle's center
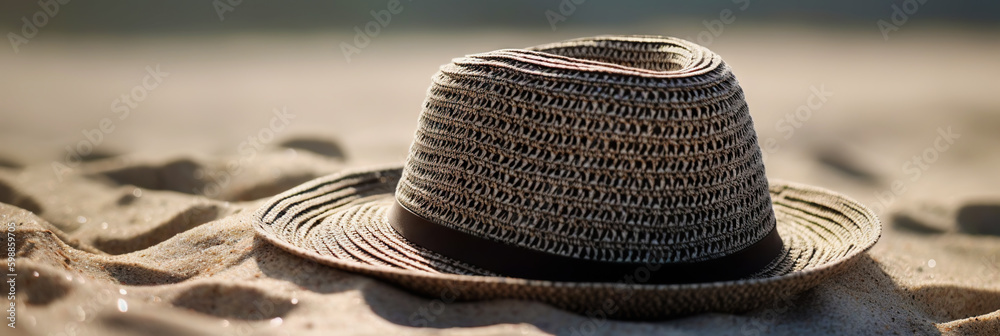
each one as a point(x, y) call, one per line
point(122, 291)
point(225, 323)
point(34, 274)
point(104, 225)
point(81, 219)
point(931, 263)
point(122, 305)
point(137, 192)
point(276, 321)
point(295, 301)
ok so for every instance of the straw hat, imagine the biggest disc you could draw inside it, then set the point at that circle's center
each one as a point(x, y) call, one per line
point(617, 176)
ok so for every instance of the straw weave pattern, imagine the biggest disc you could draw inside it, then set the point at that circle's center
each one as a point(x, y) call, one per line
point(340, 220)
point(625, 149)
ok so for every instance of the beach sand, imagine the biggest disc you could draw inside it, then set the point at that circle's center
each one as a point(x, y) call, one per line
point(149, 234)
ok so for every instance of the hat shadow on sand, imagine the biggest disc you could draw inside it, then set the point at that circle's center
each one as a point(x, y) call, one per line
point(933, 304)
point(917, 310)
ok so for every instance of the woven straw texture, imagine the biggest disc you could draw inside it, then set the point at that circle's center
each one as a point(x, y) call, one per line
point(612, 149)
point(637, 149)
point(340, 220)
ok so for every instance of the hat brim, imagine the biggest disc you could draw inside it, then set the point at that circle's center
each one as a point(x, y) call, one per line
point(340, 220)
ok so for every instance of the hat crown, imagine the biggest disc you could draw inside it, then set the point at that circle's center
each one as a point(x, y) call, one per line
point(622, 149)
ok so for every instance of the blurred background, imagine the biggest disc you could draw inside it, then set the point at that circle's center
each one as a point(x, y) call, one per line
point(851, 95)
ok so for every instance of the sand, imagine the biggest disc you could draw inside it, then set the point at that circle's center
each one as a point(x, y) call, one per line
point(150, 234)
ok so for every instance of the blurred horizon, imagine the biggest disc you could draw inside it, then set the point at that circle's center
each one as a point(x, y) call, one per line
point(223, 16)
point(232, 62)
